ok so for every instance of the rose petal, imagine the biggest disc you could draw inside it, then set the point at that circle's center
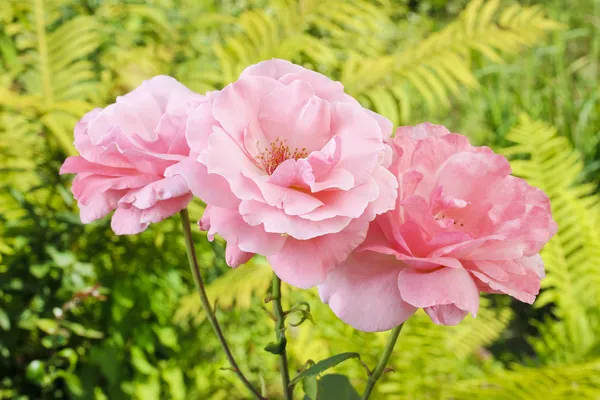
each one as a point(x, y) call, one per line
point(363, 292)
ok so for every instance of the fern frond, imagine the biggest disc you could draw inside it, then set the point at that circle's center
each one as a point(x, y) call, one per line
point(440, 354)
point(444, 354)
point(564, 382)
point(19, 147)
point(572, 257)
point(61, 77)
point(234, 287)
point(440, 65)
point(285, 31)
point(262, 36)
point(340, 22)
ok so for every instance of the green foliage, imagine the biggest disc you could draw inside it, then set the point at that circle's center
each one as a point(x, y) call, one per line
point(572, 258)
point(438, 66)
point(324, 365)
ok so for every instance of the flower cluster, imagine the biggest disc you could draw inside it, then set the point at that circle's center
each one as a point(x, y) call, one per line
point(293, 168)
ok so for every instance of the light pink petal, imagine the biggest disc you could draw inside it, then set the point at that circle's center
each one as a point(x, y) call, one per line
point(171, 96)
point(151, 163)
point(199, 127)
point(421, 245)
point(422, 131)
point(296, 173)
point(523, 288)
point(292, 201)
point(337, 178)
point(140, 111)
point(432, 152)
point(276, 220)
point(286, 72)
point(306, 263)
point(441, 287)
point(468, 176)
point(351, 203)
point(324, 160)
point(165, 208)
point(77, 164)
point(126, 221)
point(441, 201)
point(239, 102)
point(533, 263)
point(386, 226)
point(361, 139)
point(99, 206)
point(447, 314)
point(171, 136)
point(86, 187)
point(296, 116)
point(110, 153)
point(149, 195)
point(385, 124)
point(416, 210)
point(492, 270)
point(407, 184)
point(234, 257)
point(388, 192)
point(224, 157)
point(80, 131)
point(274, 68)
point(127, 119)
point(230, 225)
point(210, 188)
point(363, 292)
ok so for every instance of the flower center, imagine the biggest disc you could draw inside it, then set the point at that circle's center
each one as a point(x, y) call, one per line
point(442, 217)
point(277, 152)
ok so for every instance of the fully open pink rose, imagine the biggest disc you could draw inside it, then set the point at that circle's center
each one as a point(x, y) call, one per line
point(291, 167)
point(126, 152)
point(462, 225)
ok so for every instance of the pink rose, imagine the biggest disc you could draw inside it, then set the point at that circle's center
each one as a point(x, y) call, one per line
point(291, 167)
point(126, 152)
point(462, 225)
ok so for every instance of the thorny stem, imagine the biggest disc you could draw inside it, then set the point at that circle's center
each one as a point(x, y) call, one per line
point(387, 352)
point(280, 336)
point(191, 253)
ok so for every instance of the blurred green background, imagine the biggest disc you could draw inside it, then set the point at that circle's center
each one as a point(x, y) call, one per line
point(85, 314)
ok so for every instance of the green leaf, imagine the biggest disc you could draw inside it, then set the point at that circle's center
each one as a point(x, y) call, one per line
point(47, 325)
point(149, 389)
point(39, 270)
point(276, 347)
point(174, 378)
point(35, 371)
point(61, 259)
point(310, 386)
point(324, 365)
point(73, 383)
point(106, 358)
point(71, 356)
point(167, 336)
point(139, 361)
point(336, 387)
point(81, 330)
point(4, 320)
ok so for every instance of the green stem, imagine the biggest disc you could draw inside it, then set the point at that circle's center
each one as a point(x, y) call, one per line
point(280, 336)
point(387, 352)
point(210, 315)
